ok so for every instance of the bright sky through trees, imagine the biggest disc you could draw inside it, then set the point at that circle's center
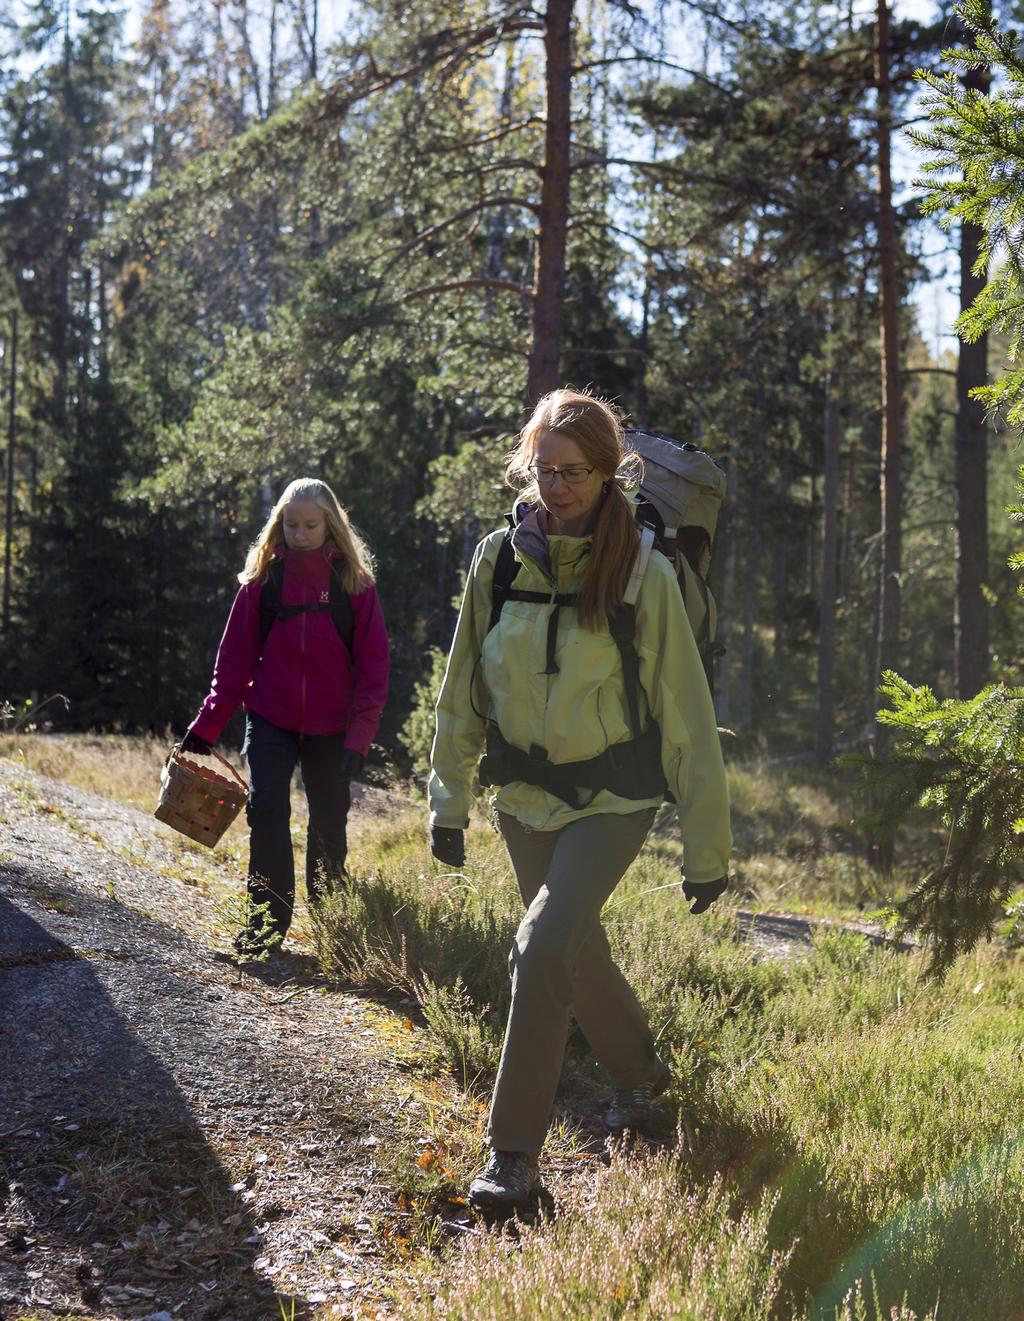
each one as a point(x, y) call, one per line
point(936, 299)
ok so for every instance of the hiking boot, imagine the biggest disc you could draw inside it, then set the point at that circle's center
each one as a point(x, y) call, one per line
point(630, 1107)
point(507, 1180)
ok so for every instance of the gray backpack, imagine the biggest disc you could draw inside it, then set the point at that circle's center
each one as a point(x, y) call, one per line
point(681, 494)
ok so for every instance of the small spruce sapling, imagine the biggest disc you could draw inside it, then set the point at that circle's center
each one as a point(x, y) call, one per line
point(962, 760)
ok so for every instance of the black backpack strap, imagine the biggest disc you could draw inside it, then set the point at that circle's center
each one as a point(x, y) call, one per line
point(502, 591)
point(271, 609)
point(270, 598)
point(341, 608)
point(622, 625)
point(501, 584)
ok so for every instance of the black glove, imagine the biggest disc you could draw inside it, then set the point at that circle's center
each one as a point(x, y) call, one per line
point(703, 896)
point(448, 846)
point(351, 762)
point(192, 742)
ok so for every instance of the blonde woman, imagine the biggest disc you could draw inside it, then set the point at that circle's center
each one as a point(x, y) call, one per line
point(583, 730)
point(305, 651)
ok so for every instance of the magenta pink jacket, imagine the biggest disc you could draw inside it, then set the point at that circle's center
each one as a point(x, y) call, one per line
point(305, 679)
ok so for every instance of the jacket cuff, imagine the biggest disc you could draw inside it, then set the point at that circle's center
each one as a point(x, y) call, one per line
point(208, 727)
point(705, 877)
point(447, 823)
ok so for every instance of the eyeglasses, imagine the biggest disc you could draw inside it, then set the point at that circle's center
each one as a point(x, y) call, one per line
point(575, 475)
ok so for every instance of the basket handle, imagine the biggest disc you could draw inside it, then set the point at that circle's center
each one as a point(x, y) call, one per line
point(176, 753)
point(224, 762)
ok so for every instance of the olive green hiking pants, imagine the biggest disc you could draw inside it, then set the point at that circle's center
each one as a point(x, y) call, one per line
point(561, 962)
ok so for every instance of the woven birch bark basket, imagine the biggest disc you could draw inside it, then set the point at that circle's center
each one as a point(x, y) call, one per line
point(197, 801)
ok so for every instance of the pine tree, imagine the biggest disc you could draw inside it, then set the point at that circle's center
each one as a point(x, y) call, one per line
point(962, 761)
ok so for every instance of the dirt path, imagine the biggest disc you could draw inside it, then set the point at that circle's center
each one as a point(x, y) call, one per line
point(176, 1140)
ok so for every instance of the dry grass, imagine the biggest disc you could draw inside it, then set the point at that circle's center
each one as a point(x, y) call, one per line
point(867, 1116)
point(125, 768)
point(849, 1129)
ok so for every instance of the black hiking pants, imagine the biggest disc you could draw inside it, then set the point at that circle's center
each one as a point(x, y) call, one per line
point(272, 754)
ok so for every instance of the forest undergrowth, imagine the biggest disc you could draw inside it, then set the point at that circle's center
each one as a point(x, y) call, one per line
point(842, 1137)
point(842, 1134)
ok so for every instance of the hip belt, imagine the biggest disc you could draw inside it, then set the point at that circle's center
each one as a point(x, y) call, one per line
point(630, 769)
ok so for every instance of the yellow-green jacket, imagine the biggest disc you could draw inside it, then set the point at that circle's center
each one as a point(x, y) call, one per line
point(579, 711)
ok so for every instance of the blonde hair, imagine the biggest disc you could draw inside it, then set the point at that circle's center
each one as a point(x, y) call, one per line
point(596, 427)
point(357, 567)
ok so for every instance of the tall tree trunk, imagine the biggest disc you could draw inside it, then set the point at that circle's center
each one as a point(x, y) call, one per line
point(104, 312)
point(811, 542)
point(309, 44)
point(725, 547)
point(823, 742)
point(159, 590)
point(9, 516)
point(891, 474)
point(849, 504)
point(549, 283)
point(63, 273)
point(644, 347)
point(752, 484)
point(497, 239)
point(751, 570)
point(782, 584)
point(970, 612)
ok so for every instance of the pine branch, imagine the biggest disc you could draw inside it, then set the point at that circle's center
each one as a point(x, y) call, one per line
point(459, 286)
point(962, 761)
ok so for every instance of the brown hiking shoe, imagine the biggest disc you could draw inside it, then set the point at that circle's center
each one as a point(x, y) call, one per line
point(507, 1180)
point(630, 1107)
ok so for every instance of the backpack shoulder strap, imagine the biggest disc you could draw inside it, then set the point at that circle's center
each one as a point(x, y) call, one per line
point(501, 584)
point(270, 597)
point(643, 556)
point(341, 608)
point(622, 625)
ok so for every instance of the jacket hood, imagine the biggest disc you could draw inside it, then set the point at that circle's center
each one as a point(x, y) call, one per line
point(530, 531)
point(530, 536)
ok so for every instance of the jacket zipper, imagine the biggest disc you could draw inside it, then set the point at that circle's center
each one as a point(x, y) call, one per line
point(302, 664)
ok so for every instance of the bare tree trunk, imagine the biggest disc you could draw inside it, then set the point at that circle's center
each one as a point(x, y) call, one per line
point(103, 309)
point(849, 504)
point(829, 547)
point(891, 474)
point(752, 541)
point(781, 540)
point(970, 612)
point(752, 557)
point(9, 517)
point(159, 589)
point(725, 545)
point(272, 69)
point(496, 235)
point(549, 284)
point(64, 242)
point(811, 543)
point(307, 28)
point(645, 332)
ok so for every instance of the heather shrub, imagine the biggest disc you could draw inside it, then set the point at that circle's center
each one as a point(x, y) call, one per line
point(684, 1256)
point(853, 1116)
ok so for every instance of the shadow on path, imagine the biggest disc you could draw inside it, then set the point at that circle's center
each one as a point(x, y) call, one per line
point(111, 1197)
